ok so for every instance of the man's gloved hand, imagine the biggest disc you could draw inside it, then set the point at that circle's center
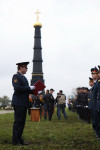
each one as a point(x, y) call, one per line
point(32, 87)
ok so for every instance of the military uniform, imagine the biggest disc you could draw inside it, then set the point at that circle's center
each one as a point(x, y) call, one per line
point(79, 104)
point(20, 102)
point(95, 104)
point(82, 105)
point(21, 90)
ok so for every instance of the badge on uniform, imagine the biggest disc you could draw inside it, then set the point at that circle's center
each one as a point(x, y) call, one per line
point(15, 80)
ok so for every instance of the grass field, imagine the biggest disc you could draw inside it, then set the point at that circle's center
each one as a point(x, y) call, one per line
point(71, 134)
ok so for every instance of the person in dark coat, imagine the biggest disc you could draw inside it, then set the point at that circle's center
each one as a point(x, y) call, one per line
point(95, 103)
point(46, 99)
point(90, 99)
point(51, 104)
point(20, 102)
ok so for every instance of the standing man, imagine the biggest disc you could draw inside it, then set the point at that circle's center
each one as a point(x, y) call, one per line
point(90, 100)
point(20, 102)
point(51, 104)
point(96, 101)
point(90, 95)
point(46, 99)
point(61, 103)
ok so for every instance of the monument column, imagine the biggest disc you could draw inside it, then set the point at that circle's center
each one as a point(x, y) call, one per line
point(37, 73)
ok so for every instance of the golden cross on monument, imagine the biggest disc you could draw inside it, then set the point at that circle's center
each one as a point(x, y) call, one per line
point(37, 14)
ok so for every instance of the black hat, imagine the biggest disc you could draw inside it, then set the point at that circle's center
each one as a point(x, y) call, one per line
point(99, 68)
point(78, 88)
point(94, 70)
point(22, 64)
point(91, 79)
point(85, 88)
point(52, 90)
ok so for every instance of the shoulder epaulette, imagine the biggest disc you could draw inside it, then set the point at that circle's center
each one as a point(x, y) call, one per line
point(15, 73)
point(99, 80)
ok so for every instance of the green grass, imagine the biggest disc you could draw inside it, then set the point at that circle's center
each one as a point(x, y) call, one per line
point(71, 134)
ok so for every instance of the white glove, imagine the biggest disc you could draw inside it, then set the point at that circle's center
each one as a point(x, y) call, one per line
point(32, 87)
point(86, 106)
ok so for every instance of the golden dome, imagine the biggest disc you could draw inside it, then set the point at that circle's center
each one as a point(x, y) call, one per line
point(37, 24)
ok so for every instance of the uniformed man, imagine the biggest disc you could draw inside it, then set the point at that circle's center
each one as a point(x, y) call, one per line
point(79, 102)
point(84, 104)
point(20, 102)
point(90, 99)
point(90, 95)
point(96, 102)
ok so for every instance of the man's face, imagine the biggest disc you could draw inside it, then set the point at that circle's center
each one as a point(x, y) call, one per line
point(94, 76)
point(60, 92)
point(81, 90)
point(23, 70)
point(47, 91)
point(85, 91)
point(99, 74)
point(91, 83)
point(51, 91)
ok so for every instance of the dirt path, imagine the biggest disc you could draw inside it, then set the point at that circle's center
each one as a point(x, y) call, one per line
point(6, 111)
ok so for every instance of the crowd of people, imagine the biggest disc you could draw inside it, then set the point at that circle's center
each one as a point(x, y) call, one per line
point(46, 103)
point(87, 101)
point(81, 104)
point(94, 99)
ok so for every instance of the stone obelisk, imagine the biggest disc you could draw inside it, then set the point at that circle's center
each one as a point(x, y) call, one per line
point(37, 73)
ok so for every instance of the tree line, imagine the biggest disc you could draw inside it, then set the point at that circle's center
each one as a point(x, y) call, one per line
point(5, 101)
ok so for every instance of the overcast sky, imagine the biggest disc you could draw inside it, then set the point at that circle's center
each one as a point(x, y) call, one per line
point(70, 41)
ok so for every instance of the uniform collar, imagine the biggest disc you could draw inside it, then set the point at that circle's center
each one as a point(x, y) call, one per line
point(20, 73)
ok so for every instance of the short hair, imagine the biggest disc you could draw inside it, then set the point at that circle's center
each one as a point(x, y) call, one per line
point(18, 67)
point(47, 91)
point(51, 89)
point(61, 91)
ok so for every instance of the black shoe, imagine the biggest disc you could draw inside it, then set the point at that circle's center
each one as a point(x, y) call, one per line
point(23, 143)
point(16, 143)
point(20, 144)
point(97, 137)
